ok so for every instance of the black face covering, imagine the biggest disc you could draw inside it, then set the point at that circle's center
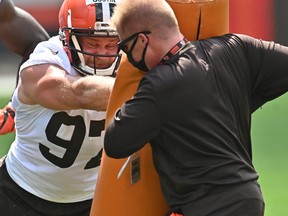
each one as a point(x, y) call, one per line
point(141, 65)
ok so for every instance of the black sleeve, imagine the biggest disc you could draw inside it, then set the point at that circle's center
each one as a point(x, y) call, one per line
point(134, 125)
point(20, 32)
point(269, 67)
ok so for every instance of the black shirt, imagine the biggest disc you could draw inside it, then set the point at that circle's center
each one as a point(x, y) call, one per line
point(195, 111)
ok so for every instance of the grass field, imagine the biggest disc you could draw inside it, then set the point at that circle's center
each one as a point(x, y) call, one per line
point(5, 140)
point(270, 150)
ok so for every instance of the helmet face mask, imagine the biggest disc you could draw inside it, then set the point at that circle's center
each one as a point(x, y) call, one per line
point(77, 20)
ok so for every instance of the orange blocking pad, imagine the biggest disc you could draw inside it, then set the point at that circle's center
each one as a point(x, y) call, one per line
point(137, 191)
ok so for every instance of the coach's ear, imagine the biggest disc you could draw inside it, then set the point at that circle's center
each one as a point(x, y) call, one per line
point(199, 19)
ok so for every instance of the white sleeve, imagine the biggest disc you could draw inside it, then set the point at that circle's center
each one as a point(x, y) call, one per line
point(49, 52)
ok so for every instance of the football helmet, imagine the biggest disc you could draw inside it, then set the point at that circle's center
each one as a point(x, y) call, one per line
point(87, 18)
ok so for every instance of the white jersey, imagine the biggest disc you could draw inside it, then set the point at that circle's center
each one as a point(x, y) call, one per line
point(56, 154)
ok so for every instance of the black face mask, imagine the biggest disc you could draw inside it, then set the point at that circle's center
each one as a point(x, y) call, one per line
point(141, 65)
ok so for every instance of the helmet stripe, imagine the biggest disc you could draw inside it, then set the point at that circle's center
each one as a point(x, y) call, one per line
point(106, 12)
point(99, 12)
point(112, 6)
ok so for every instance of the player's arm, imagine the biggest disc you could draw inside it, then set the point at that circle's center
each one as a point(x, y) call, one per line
point(51, 87)
point(19, 31)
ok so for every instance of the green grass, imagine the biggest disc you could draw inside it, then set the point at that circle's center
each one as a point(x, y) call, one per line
point(270, 150)
point(5, 140)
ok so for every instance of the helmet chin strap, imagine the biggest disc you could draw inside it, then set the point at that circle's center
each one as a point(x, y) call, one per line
point(101, 72)
point(74, 39)
point(83, 66)
point(77, 47)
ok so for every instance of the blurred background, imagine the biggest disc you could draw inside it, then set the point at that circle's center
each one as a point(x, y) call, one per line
point(265, 19)
point(46, 12)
